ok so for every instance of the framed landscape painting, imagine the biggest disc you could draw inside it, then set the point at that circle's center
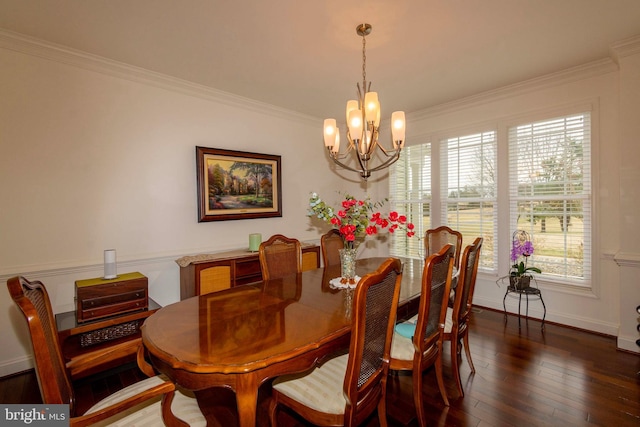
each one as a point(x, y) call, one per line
point(237, 185)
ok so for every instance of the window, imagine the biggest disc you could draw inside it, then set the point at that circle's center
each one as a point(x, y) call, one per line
point(545, 182)
point(550, 193)
point(410, 181)
point(469, 190)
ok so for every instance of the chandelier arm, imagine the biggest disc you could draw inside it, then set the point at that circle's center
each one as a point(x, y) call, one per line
point(343, 154)
point(352, 145)
point(338, 162)
point(374, 140)
point(388, 162)
point(389, 153)
point(338, 155)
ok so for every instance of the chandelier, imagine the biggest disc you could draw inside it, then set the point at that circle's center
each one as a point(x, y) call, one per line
point(363, 121)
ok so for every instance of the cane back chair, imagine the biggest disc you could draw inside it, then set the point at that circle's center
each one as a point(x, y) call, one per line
point(146, 403)
point(346, 389)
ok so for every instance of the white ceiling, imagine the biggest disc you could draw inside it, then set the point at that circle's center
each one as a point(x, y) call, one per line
point(305, 55)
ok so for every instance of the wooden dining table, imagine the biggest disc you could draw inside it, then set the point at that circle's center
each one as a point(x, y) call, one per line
point(240, 337)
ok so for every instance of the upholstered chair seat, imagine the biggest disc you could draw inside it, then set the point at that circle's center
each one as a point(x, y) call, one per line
point(184, 406)
point(401, 346)
point(321, 389)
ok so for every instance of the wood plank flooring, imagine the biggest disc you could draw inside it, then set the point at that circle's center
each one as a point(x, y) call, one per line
point(558, 376)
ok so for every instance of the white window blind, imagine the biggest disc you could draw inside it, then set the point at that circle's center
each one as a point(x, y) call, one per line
point(550, 194)
point(410, 193)
point(468, 189)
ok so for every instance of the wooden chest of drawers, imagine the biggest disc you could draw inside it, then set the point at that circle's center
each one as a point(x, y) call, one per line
point(99, 298)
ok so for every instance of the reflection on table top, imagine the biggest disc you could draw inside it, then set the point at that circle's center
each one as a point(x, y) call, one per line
point(252, 326)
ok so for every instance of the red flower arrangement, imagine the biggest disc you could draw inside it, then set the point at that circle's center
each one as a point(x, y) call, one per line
point(358, 218)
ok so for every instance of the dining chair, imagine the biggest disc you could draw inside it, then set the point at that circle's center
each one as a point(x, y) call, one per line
point(331, 242)
point(154, 401)
point(436, 238)
point(280, 256)
point(456, 327)
point(417, 344)
point(346, 389)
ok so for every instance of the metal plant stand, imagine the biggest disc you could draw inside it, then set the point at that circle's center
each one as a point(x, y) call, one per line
point(527, 291)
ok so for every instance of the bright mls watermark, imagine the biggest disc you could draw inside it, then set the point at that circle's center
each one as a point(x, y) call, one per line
point(34, 415)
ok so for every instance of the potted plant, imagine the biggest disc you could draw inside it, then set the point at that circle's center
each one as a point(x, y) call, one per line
point(521, 249)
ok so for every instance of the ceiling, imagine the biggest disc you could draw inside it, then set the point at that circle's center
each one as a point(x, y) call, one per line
point(306, 56)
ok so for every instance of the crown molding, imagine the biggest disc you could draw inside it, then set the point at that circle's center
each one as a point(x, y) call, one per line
point(592, 69)
point(624, 48)
point(43, 49)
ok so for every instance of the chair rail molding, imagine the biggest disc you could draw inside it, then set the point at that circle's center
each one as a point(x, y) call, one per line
point(627, 259)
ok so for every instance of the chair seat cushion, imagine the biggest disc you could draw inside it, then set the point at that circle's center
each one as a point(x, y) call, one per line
point(149, 413)
point(402, 347)
point(321, 389)
point(402, 340)
point(406, 329)
point(448, 322)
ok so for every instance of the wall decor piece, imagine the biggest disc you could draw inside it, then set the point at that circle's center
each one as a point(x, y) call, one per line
point(237, 185)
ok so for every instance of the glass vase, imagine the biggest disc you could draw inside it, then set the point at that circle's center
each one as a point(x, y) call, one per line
point(348, 265)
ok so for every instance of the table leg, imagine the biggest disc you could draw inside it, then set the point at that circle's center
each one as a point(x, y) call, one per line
point(247, 399)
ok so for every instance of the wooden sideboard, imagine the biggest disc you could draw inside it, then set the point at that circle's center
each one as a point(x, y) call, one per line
point(101, 344)
point(205, 273)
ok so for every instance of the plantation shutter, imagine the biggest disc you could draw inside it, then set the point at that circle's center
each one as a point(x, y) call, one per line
point(468, 189)
point(410, 193)
point(550, 193)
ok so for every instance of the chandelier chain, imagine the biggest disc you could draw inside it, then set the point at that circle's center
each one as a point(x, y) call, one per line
point(364, 64)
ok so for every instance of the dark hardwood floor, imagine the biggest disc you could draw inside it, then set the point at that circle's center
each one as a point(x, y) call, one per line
point(524, 377)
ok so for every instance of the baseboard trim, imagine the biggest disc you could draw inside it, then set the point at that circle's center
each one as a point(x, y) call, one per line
point(536, 312)
point(15, 366)
point(628, 345)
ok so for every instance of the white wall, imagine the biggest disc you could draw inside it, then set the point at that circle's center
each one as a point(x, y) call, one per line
point(627, 54)
point(96, 155)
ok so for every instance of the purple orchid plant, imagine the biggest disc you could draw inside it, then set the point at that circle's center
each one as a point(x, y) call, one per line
point(521, 250)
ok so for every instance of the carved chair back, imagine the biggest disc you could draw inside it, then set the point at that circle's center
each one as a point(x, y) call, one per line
point(436, 238)
point(331, 242)
point(280, 256)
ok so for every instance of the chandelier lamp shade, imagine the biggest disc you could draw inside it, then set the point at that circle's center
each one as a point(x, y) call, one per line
point(363, 122)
